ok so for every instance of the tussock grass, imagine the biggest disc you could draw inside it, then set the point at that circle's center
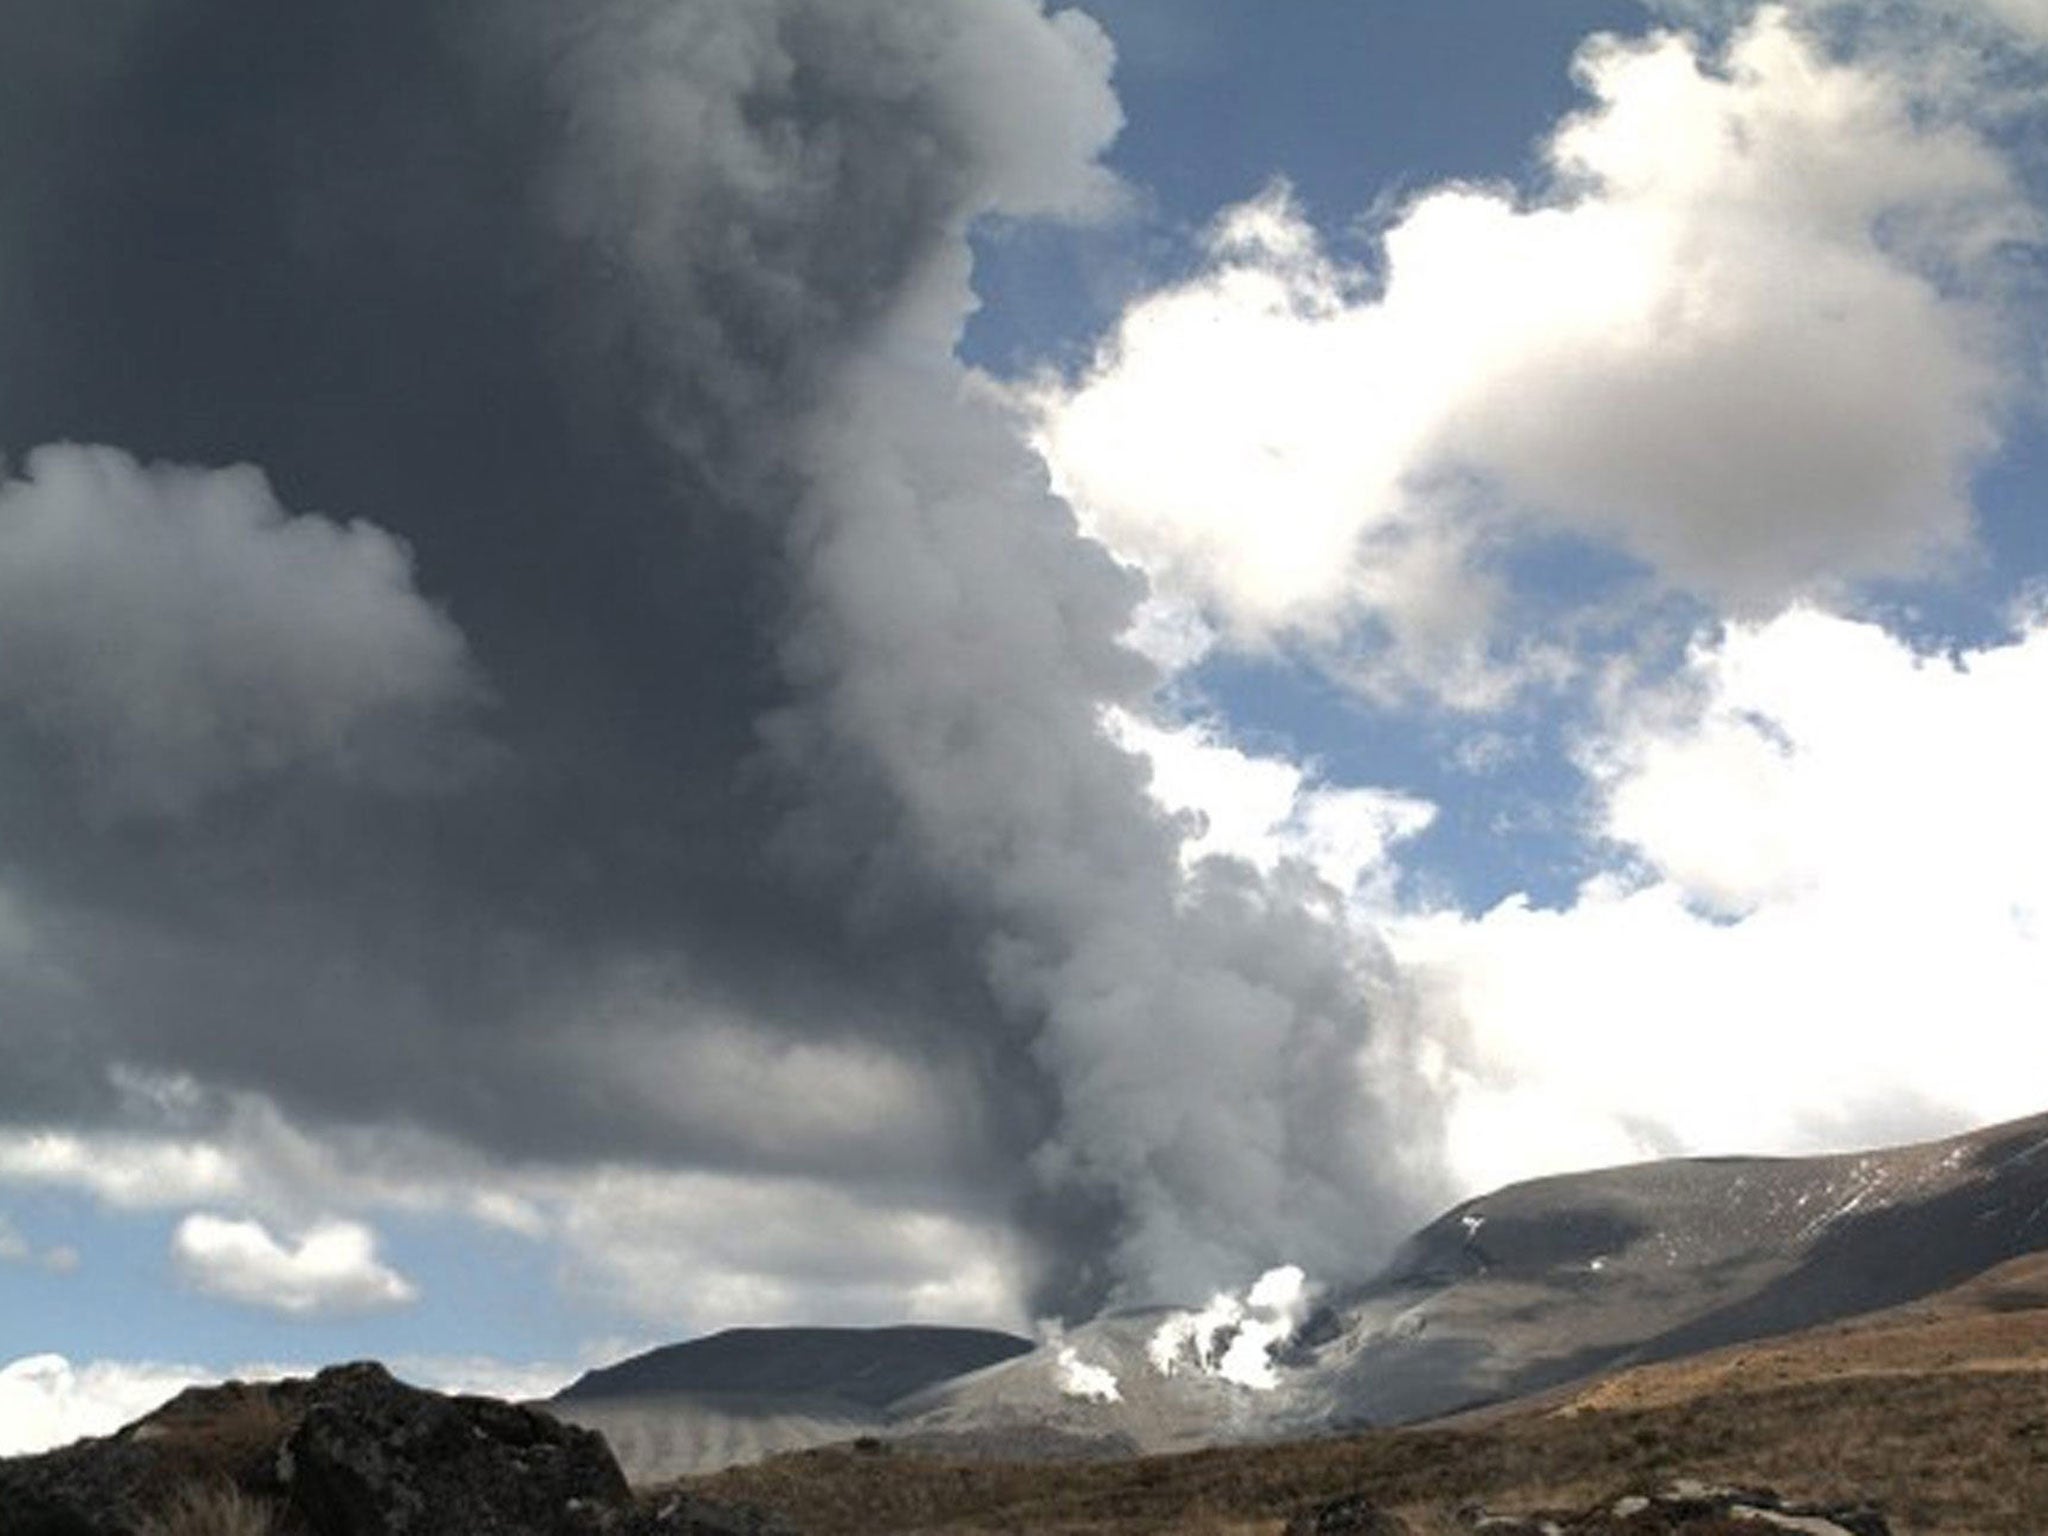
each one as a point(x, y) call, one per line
point(1940, 1453)
point(210, 1508)
point(225, 1426)
point(212, 1439)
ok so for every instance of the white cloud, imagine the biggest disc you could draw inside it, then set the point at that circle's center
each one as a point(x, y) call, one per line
point(687, 1251)
point(1243, 439)
point(253, 1156)
point(2019, 21)
point(2027, 18)
point(333, 1267)
point(1740, 339)
point(46, 1401)
point(651, 1042)
point(127, 1172)
point(1830, 925)
point(697, 1251)
point(1268, 809)
point(176, 631)
point(480, 1375)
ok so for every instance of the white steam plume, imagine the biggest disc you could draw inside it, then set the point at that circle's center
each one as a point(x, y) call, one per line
point(1082, 1380)
point(1233, 1337)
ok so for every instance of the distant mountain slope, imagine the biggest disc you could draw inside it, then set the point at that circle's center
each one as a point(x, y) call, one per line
point(871, 1367)
point(747, 1393)
point(655, 1439)
point(1530, 1288)
point(1555, 1279)
point(1552, 1281)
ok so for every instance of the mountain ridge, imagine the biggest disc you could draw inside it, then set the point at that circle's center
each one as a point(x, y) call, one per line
point(872, 1367)
point(1517, 1291)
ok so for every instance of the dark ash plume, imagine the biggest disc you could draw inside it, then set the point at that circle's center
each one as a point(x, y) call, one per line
point(634, 321)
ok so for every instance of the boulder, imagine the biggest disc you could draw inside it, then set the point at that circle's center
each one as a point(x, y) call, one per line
point(349, 1452)
point(1702, 1509)
point(372, 1457)
point(1705, 1509)
point(1353, 1515)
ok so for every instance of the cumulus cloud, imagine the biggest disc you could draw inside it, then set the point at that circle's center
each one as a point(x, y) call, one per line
point(46, 1401)
point(482, 1376)
point(332, 1267)
point(2029, 18)
point(127, 1172)
point(680, 1251)
point(1927, 27)
point(696, 1251)
point(1740, 334)
point(761, 1096)
point(1826, 925)
point(1268, 809)
point(174, 631)
point(246, 1152)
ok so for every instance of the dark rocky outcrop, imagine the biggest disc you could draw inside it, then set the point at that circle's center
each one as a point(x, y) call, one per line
point(1689, 1508)
point(1682, 1509)
point(371, 1458)
point(1353, 1515)
point(350, 1452)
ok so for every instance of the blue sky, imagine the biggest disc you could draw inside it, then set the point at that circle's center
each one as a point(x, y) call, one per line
point(723, 859)
point(1220, 99)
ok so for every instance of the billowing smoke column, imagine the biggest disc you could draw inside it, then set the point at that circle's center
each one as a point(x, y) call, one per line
point(635, 320)
point(952, 642)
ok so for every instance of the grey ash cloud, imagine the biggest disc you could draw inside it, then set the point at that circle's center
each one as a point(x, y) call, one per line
point(170, 633)
point(603, 356)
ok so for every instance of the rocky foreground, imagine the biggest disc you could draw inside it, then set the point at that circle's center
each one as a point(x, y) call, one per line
point(349, 1452)
point(1685, 1506)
